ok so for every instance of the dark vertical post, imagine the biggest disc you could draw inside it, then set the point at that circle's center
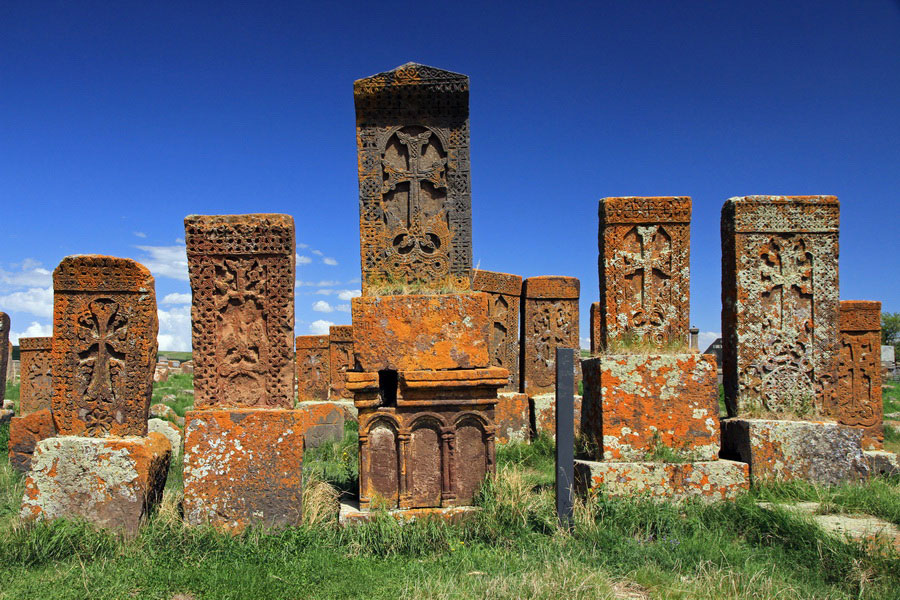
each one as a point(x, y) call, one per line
point(565, 433)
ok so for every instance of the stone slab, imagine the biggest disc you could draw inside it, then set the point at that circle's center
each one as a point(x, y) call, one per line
point(243, 466)
point(543, 414)
point(708, 480)
point(313, 370)
point(882, 462)
point(505, 291)
point(818, 452)
point(170, 430)
point(111, 482)
point(321, 422)
point(409, 333)
point(512, 417)
point(351, 514)
point(35, 389)
point(25, 433)
point(859, 370)
point(549, 321)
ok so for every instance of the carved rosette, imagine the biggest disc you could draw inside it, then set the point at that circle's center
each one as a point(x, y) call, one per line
point(105, 326)
point(780, 303)
point(415, 201)
point(550, 321)
point(241, 270)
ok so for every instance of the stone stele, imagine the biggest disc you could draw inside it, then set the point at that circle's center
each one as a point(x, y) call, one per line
point(549, 321)
point(859, 371)
point(644, 264)
point(340, 360)
point(36, 390)
point(412, 134)
point(505, 291)
point(313, 371)
point(104, 346)
point(4, 353)
point(780, 303)
point(242, 277)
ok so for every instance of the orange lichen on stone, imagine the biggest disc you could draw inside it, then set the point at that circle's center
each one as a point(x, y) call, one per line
point(512, 418)
point(543, 409)
point(111, 482)
point(243, 466)
point(36, 390)
point(24, 434)
point(635, 403)
point(709, 480)
point(503, 344)
point(340, 360)
point(104, 346)
point(549, 321)
point(320, 422)
point(859, 371)
point(408, 333)
point(313, 370)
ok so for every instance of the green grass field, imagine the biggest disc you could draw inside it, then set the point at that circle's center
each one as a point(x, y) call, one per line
point(512, 548)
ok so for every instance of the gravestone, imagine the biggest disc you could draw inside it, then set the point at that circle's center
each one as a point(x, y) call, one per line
point(644, 268)
point(4, 353)
point(243, 446)
point(103, 467)
point(505, 292)
point(340, 359)
point(859, 370)
point(412, 135)
point(313, 370)
point(35, 421)
point(780, 303)
point(242, 275)
point(549, 321)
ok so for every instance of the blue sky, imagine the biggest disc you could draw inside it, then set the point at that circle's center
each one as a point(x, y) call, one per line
point(118, 119)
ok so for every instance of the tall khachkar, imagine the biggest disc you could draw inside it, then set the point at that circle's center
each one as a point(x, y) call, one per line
point(859, 370)
point(780, 302)
point(644, 265)
point(242, 276)
point(34, 421)
point(4, 353)
point(506, 292)
point(412, 135)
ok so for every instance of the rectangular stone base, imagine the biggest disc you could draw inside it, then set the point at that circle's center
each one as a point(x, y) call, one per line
point(512, 416)
point(882, 462)
point(824, 453)
point(712, 479)
point(352, 514)
point(543, 413)
point(111, 482)
point(243, 466)
point(25, 433)
point(322, 422)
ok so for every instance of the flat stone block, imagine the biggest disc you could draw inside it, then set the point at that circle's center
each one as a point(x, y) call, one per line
point(170, 430)
point(321, 422)
point(824, 453)
point(882, 463)
point(512, 418)
point(634, 402)
point(713, 480)
point(543, 410)
point(111, 482)
point(24, 435)
point(351, 514)
point(410, 333)
point(243, 466)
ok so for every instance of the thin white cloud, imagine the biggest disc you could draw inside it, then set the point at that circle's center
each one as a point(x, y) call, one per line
point(301, 245)
point(34, 330)
point(34, 301)
point(324, 292)
point(175, 329)
point(321, 283)
point(165, 261)
point(322, 306)
point(330, 261)
point(342, 307)
point(320, 327)
point(140, 234)
point(317, 252)
point(348, 294)
point(706, 338)
point(177, 298)
point(30, 274)
point(303, 260)
point(586, 343)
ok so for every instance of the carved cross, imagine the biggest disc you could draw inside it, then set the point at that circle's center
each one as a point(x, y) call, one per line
point(787, 266)
point(40, 371)
point(857, 367)
point(103, 332)
point(647, 261)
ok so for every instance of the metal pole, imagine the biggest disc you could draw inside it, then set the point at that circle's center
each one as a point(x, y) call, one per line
point(565, 434)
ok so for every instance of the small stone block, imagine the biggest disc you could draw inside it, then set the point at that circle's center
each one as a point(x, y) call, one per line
point(243, 466)
point(512, 418)
point(170, 430)
point(543, 409)
point(409, 333)
point(882, 462)
point(24, 435)
point(823, 453)
point(634, 402)
point(352, 514)
point(322, 422)
point(709, 480)
point(111, 482)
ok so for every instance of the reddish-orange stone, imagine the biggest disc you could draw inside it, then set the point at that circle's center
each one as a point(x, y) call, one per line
point(859, 370)
point(25, 433)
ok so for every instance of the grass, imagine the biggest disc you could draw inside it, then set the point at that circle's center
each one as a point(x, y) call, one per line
point(180, 386)
point(172, 355)
point(632, 343)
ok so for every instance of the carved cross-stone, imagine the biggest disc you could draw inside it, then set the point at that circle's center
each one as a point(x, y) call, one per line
point(786, 273)
point(859, 401)
point(36, 388)
point(650, 264)
point(102, 335)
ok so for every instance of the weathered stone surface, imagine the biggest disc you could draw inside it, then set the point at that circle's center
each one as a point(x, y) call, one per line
point(6, 416)
point(243, 466)
point(883, 463)
point(313, 370)
point(321, 422)
point(780, 303)
point(446, 331)
point(104, 346)
point(708, 480)
point(505, 291)
point(644, 265)
point(24, 434)
point(549, 321)
point(512, 418)
point(168, 429)
point(412, 134)
point(36, 389)
point(635, 402)
point(242, 277)
point(543, 411)
point(824, 453)
point(163, 411)
point(340, 360)
point(4, 352)
point(859, 370)
point(352, 514)
point(596, 342)
point(110, 482)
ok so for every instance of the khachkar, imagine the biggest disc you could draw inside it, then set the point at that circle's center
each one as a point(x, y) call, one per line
point(651, 417)
point(505, 291)
point(4, 354)
point(340, 360)
point(104, 466)
point(35, 421)
point(422, 379)
point(313, 371)
point(781, 340)
point(243, 447)
point(859, 370)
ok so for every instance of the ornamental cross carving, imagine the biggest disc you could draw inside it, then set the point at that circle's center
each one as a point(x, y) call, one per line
point(103, 331)
point(786, 268)
point(651, 263)
point(858, 365)
point(39, 371)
